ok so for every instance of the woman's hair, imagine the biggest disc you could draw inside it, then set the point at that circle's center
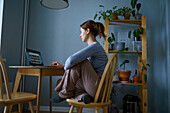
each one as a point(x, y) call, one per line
point(96, 28)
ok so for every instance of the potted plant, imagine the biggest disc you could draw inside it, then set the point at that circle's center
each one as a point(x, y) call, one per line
point(126, 12)
point(137, 43)
point(124, 74)
point(136, 78)
point(116, 13)
point(110, 41)
point(136, 33)
point(138, 6)
point(104, 14)
point(138, 15)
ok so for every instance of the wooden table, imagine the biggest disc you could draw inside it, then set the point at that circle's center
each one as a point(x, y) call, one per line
point(37, 71)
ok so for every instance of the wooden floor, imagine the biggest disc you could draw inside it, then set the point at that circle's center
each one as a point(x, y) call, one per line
point(26, 111)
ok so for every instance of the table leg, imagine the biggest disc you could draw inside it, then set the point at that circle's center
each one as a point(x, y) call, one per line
point(16, 86)
point(50, 94)
point(39, 94)
point(17, 82)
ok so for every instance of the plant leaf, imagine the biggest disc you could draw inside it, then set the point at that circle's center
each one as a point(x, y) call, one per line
point(141, 30)
point(138, 6)
point(95, 16)
point(104, 17)
point(113, 36)
point(99, 18)
point(101, 6)
point(145, 78)
point(114, 7)
point(133, 12)
point(136, 33)
point(109, 11)
point(124, 62)
point(110, 17)
point(143, 67)
point(133, 3)
point(148, 65)
point(110, 40)
point(129, 34)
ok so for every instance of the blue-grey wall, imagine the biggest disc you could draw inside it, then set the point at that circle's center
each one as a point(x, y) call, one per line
point(12, 34)
point(56, 34)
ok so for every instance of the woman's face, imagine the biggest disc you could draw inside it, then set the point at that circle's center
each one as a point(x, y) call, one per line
point(83, 34)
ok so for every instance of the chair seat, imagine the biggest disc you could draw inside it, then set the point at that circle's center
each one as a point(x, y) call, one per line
point(90, 105)
point(19, 97)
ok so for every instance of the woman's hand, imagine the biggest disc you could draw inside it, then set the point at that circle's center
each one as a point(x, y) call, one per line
point(57, 64)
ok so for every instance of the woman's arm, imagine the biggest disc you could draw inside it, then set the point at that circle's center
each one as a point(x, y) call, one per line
point(80, 56)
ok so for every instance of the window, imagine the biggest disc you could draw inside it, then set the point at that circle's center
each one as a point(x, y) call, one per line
point(1, 17)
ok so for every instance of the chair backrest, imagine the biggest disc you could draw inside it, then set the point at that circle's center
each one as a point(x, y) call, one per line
point(5, 76)
point(106, 80)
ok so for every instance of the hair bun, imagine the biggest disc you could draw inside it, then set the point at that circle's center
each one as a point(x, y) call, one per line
point(96, 28)
point(99, 28)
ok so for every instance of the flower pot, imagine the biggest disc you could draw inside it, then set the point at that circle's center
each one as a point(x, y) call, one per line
point(136, 79)
point(111, 46)
point(120, 46)
point(138, 16)
point(124, 75)
point(137, 45)
point(127, 16)
point(115, 16)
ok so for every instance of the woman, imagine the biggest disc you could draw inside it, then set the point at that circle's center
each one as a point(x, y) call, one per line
point(83, 69)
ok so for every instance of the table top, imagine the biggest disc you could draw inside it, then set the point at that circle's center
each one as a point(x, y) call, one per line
point(36, 67)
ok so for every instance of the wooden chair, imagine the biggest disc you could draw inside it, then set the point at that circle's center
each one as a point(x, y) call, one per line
point(9, 99)
point(106, 80)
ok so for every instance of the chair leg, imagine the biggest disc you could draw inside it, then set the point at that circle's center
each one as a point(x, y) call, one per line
point(71, 109)
point(10, 108)
point(20, 108)
point(105, 109)
point(6, 109)
point(31, 107)
point(80, 110)
point(96, 110)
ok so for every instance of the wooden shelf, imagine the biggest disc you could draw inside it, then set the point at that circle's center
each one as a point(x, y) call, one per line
point(133, 21)
point(127, 83)
point(112, 51)
point(142, 55)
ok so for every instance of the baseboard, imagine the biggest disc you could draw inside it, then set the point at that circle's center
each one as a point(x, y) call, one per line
point(65, 109)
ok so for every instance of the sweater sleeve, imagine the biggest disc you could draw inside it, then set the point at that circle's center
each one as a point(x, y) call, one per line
point(80, 56)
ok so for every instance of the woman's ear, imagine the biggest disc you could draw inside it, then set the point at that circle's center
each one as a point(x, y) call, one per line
point(87, 30)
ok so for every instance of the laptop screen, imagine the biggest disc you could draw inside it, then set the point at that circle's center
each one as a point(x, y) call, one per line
point(34, 57)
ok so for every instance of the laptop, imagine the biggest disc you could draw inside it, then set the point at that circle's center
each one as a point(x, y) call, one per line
point(34, 57)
